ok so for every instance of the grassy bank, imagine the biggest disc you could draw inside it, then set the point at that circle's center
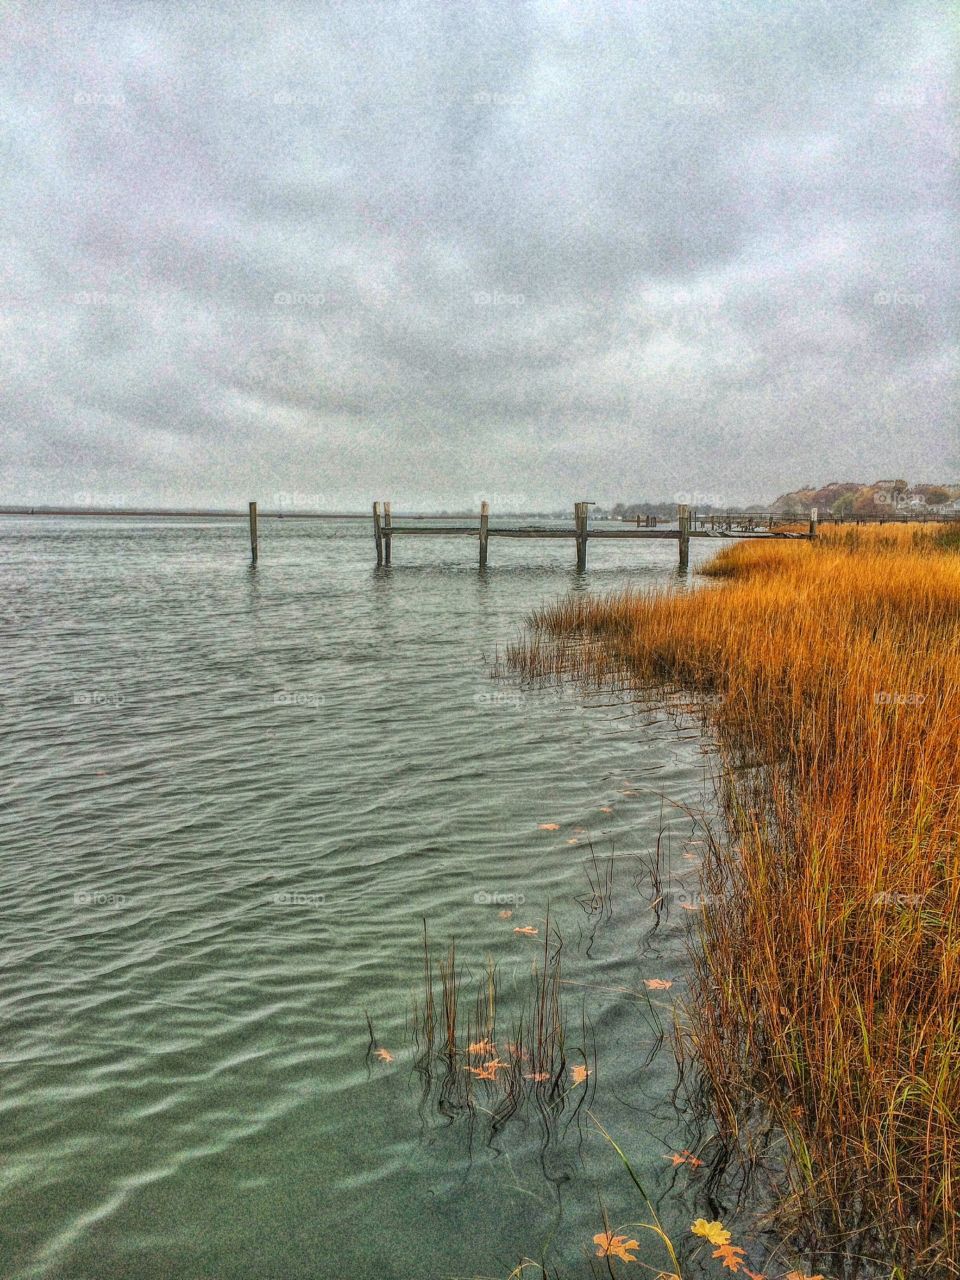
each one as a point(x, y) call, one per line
point(830, 981)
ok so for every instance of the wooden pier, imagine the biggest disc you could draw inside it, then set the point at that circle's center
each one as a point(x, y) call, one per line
point(384, 531)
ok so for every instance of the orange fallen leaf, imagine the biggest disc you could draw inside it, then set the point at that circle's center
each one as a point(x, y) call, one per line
point(731, 1255)
point(548, 826)
point(605, 809)
point(489, 1069)
point(801, 1275)
point(692, 1159)
point(611, 1246)
point(527, 930)
point(574, 841)
point(384, 1055)
point(539, 1076)
point(579, 1075)
point(676, 1159)
point(753, 1275)
point(689, 906)
point(505, 914)
point(658, 984)
point(481, 1046)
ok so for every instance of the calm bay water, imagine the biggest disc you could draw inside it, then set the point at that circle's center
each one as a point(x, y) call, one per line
point(230, 798)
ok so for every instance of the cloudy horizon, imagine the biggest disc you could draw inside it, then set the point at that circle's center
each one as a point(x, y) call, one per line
point(427, 252)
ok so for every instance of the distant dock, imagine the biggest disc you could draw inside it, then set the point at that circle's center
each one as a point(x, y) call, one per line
point(384, 531)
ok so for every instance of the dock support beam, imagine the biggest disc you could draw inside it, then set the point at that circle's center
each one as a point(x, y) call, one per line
point(484, 532)
point(683, 519)
point(580, 523)
point(813, 522)
point(254, 538)
point(377, 537)
point(387, 524)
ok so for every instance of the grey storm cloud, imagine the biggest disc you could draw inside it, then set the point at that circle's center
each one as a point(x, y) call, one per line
point(423, 251)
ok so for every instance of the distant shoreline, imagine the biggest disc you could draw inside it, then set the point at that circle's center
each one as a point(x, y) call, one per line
point(219, 514)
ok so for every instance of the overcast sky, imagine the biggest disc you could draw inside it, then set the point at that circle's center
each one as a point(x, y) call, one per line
point(534, 251)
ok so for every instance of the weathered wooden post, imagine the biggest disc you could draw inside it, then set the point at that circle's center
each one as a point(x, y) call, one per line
point(387, 540)
point(813, 522)
point(484, 532)
point(377, 538)
point(580, 522)
point(254, 538)
point(683, 519)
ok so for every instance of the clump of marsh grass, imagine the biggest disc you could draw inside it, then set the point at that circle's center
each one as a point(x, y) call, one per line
point(469, 1065)
point(829, 998)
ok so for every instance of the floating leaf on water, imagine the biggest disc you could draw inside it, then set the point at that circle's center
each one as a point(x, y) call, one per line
point(489, 1069)
point(730, 1255)
point(611, 1246)
point(715, 1232)
point(579, 1075)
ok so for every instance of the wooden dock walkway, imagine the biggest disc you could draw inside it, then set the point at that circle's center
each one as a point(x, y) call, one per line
point(384, 531)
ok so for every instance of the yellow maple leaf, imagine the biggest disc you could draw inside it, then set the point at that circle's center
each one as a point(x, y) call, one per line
point(612, 1246)
point(579, 1075)
point(715, 1232)
point(731, 1255)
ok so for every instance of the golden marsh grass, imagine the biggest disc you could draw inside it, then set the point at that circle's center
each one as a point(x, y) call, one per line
point(828, 674)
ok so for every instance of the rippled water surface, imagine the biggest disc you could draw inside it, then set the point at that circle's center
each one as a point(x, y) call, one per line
point(231, 798)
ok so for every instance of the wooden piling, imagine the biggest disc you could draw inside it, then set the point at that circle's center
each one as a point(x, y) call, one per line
point(813, 522)
point(387, 540)
point(683, 519)
point(484, 532)
point(580, 523)
point(254, 537)
point(377, 536)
